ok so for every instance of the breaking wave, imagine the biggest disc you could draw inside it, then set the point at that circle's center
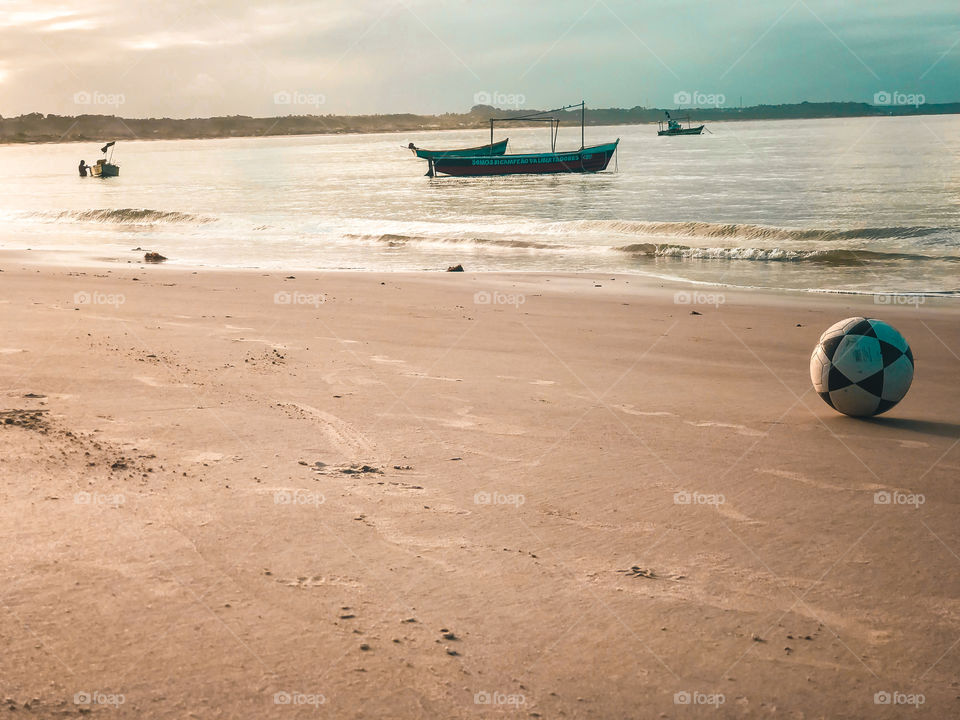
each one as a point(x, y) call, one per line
point(835, 257)
point(134, 216)
point(394, 240)
point(735, 231)
point(824, 256)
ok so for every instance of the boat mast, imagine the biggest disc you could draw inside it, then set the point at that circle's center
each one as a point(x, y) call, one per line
point(583, 112)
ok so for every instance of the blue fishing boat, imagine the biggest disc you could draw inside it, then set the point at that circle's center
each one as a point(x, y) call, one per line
point(584, 160)
point(493, 148)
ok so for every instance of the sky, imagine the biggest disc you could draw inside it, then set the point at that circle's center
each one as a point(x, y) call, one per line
point(199, 58)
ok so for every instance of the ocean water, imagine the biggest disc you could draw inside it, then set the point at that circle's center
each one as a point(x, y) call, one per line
point(862, 204)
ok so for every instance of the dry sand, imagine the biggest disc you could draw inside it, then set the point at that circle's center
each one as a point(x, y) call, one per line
point(189, 529)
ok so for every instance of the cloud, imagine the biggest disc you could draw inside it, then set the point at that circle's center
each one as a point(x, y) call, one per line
point(181, 58)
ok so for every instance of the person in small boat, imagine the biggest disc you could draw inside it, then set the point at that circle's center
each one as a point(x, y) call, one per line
point(83, 168)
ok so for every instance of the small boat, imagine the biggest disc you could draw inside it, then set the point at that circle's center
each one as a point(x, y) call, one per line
point(674, 127)
point(494, 148)
point(585, 160)
point(103, 166)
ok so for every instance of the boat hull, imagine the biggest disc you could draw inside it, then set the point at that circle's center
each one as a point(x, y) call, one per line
point(104, 170)
point(497, 148)
point(588, 160)
point(682, 131)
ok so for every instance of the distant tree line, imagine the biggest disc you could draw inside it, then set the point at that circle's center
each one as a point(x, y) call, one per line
point(37, 127)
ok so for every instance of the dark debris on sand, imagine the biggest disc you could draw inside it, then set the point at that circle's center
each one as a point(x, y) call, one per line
point(27, 419)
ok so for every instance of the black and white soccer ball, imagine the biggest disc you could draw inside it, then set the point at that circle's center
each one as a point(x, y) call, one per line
point(861, 367)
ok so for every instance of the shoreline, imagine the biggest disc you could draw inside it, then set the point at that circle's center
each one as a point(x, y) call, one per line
point(56, 260)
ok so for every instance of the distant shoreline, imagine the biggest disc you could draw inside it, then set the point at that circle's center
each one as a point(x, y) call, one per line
point(38, 128)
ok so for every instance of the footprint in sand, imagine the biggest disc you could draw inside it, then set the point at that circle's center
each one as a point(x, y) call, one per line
point(630, 410)
point(740, 429)
point(206, 457)
point(311, 581)
point(383, 359)
point(345, 438)
point(424, 376)
point(153, 382)
point(727, 510)
point(820, 484)
point(912, 444)
point(268, 343)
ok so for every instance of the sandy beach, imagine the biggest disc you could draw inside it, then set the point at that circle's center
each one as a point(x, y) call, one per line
point(368, 495)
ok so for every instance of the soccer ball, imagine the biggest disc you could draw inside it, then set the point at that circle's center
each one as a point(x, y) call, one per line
point(861, 367)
